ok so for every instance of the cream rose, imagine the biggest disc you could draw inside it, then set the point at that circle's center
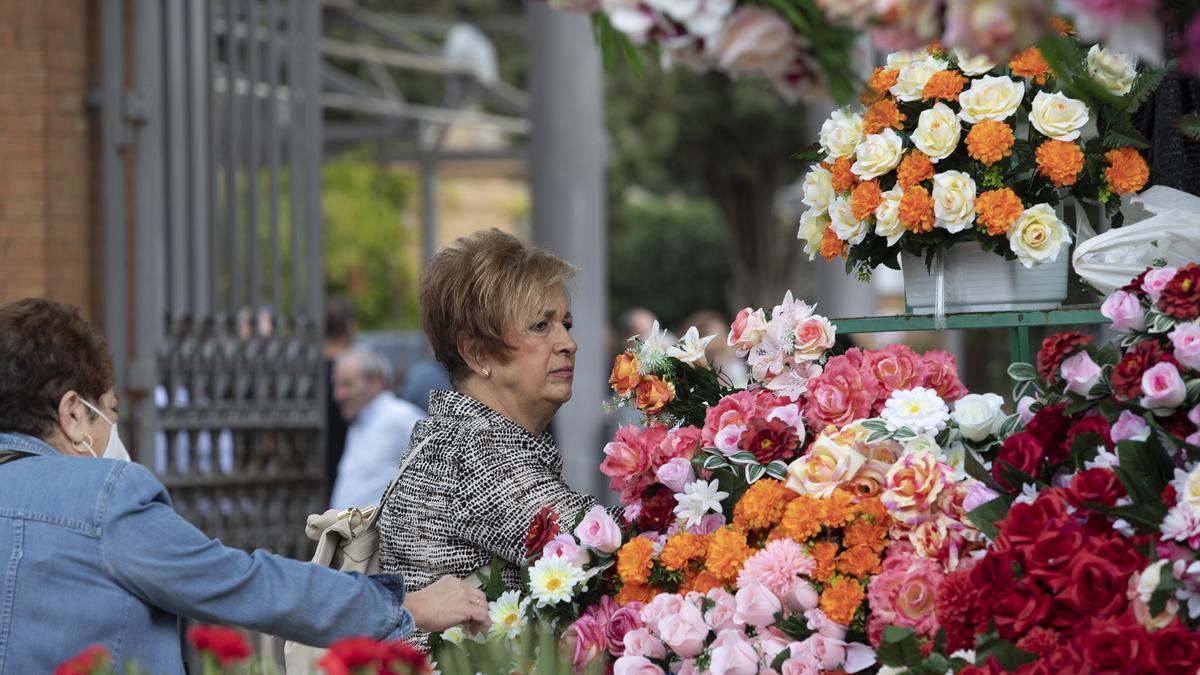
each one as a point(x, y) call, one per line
point(1057, 116)
point(812, 229)
point(937, 132)
point(1112, 69)
point(978, 415)
point(826, 466)
point(910, 84)
point(878, 154)
point(953, 200)
point(1191, 489)
point(897, 60)
point(990, 98)
point(818, 189)
point(972, 65)
point(887, 216)
point(845, 225)
point(1038, 236)
point(841, 133)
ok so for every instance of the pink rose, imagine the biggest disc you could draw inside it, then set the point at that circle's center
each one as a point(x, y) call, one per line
point(619, 625)
point(1129, 427)
point(602, 611)
point(826, 651)
point(1193, 438)
point(599, 531)
point(820, 623)
point(663, 604)
point(588, 638)
point(943, 375)
point(681, 443)
point(640, 642)
point(803, 597)
point(635, 665)
point(727, 438)
point(914, 484)
point(709, 523)
point(675, 474)
point(628, 458)
point(1186, 339)
point(904, 593)
point(1023, 408)
point(1125, 311)
point(1156, 280)
point(747, 329)
point(1080, 373)
point(735, 409)
point(798, 664)
point(790, 415)
point(1162, 387)
point(755, 42)
point(565, 545)
point(814, 336)
point(685, 631)
point(771, 643)
point(732, 654)
point(844, 392)
point(688, 667)
point(756, 605)
point(896, 367)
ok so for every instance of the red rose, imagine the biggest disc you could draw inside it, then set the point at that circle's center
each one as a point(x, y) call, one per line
point(1064, 659)
point(1019, 607)
point(1096, 588)
point(1092, 424)
point(1049, 558)
point(1126, 378)
point(1096, 485)
point(1049, 426)
point(1120, 552)
point(542, 529)
point(1181, 296)
point(1055, 349)
point(1026, 522)
point(1175, 649)
point(658, 511)
point(1116, 646)
point(226, 644)
point(769, 441)
point(1023, 452)
point(86, 662)
point(993, 574)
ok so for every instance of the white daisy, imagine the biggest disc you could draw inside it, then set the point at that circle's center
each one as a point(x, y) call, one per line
point(699, 498)
point(919, 409)
point(553, 580)
point(507, 613)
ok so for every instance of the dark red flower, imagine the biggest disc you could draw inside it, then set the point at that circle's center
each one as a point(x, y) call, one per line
point(226, 644)
point(86, 662)
point(542, 529)
point(1181, 296)
point(770, 440)
point(1178, 425)
point(1048, 559)
point(1022, 451)
point(993, 574)
point(990, 667)
point(1096, 588)
point(1026, 522)
point(1055, 349)
point(1116, 646)
point(1126, 379)
point(658, 511)
point(958, 608)
point(1175, 649)
point(1019, 607)
point(1039, 641)
point(1091, 424)
point(1169, 497)
point(1049, 426)
point(1135, 285)
point(1120, 551)
point(1097, 485)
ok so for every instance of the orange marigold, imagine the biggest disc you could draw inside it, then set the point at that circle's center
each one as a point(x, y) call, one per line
point(762, 505)
point(680, 549)
point(883, 79)
point(874, 510)
point(1062, 26)
point(865, 198)
point(861, 533)
point(841, 599)
point(635, 593)
point(882, 115)
point(824, 553)
point(1127, 171)
point(990, 141)
point(997, 210)
point(1031, 64)
point(727, 551)
point(839, 508)
point(700, 582)
point(844, 179)
point(858, 561)
point(915, 168)
point(802, 518)
point(634, 560)
point(1060, 161)
point(945, 84)
point(916, 209)
point(831, 246)
point(935, 48)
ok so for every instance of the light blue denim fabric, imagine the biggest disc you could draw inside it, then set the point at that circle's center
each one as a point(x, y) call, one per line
point(91, 552)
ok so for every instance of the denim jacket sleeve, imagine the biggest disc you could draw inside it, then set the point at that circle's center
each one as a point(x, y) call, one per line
point(161, 558)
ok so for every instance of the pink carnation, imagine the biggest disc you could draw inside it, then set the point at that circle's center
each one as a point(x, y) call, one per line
point(778, 567)
point(904, 593)
point(896, 366)
point(943, 375)
point(845, 392)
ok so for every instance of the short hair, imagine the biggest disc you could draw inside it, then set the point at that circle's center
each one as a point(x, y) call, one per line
point(478, 290)
point(46, 350)
point(372, 364)
point(339, 318)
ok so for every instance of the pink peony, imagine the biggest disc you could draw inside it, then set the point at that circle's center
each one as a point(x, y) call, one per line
point(732, 654)
point(587, 637)
point(756, 605)
point(1080, 373)
point(565, 545)
point(1124, 310)
point(1162, 387)
point(943, 375)
point(684, 632)
point(635, 665)
point(747, 329)
point(904, 594)
point(778, 567)
point(755, 42)
point(598, 530)
point(675, 474)
point(640, 642)
point(896, 367)
point(622, 621)
point(905, 24)
point(1156, 280)
point(1186, 340)
point(846, 391)
point(1129, 427)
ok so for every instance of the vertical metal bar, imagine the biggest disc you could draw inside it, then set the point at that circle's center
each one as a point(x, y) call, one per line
point(295, 154)
point(112, 134)
point(273, 141)
point(180, 268)
point(214, 160)
point(312, 136)
point(429, 205)
point(231, 164)
point(1018, 339)
point(253, 156)
point(198, 184)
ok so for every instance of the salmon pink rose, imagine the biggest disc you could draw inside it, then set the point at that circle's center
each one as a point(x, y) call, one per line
point(653, 394)
point(846, 391)
point(896, 367)
point(943, 375)
point(747, 330)
point(814, 336)
point(904, 594)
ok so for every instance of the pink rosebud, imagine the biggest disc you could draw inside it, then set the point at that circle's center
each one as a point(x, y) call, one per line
point(1129, 427)
point(1156, 280)
point(564, 545)
point(684, 632)
point(1023, 408)
point(688, 667)
point(803, 597)
point(1162, 387)
point(771, 643)
point(728, 437)
point(756, 605)
point(1186, 339)
point(800, 664)
point(1080, 373)
point(675, 474)
point(732, 654)
point(640, 642)
point(1125, 311)
point(587, 637)
point(620, 624)
point(599, 531)
point(826, 651)
point(824, 625)
point(635, 665)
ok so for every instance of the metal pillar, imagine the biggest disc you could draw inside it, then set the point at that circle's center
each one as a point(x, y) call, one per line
point(567, 176)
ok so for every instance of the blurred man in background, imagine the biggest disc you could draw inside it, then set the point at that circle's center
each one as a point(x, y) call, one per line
point(339, 335)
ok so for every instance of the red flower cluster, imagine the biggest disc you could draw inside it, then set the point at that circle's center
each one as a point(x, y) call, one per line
point(91, 660)
point(770, 440)
point(1181, 296)
point(1055, 349)
point(542, 529)
point(1046, 441)
point(348, 656)
point(658, 510)
point(226, 644)
point(1126, 379)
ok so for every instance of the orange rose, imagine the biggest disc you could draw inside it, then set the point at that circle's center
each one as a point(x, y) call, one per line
point(653, 393)
point(625, 377)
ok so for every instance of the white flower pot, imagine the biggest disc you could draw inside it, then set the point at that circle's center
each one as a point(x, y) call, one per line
point(978, 281)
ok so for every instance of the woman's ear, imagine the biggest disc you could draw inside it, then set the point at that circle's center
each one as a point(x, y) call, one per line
point(469, 350)
point(73, 418)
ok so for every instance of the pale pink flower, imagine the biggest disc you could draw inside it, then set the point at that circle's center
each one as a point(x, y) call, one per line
point(727, 439)
point(747, 329)
point(663, 604)
point(1129, 427)
point(564, 545)
point(675, 474)
point(755, 42)
point(635, 665)
point(905, 24)
point(800, 664)
point(778, 567)
point(1023, 408)
point(1156, 280)
point(1080, 373)
point(1194, 415)
point(1182, 524)
point(720, 615)
point(732, 654)
point(1186, 340)
point(640, 642)
point(709, 523)
point(619, 624)
point(803, 598)
point(683, 632)
point(756, 605)
point(993, 27)
point(598, 530)
point(1162, 387)
point(1125, 311)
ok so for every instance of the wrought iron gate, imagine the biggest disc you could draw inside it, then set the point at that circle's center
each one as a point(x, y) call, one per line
point(217, 335)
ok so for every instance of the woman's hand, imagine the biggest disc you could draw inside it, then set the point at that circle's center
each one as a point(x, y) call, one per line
point(447, 602)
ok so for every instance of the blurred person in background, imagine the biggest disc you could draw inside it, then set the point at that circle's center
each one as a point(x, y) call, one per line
point(422, 379)
point(339, 336)
point(94, 553)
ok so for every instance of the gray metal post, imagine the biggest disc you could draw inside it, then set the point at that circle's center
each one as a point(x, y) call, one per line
point(567, 175)
point(428, 171)
point(112, 134)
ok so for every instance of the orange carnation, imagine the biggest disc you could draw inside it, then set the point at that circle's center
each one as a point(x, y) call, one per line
point(824, 553)
point(873, 510)
point(882, 115)
point(831, 246)
point(681, 549)
point(844, 179)
point(625, 377)
point(727, 551)
point(916, 167)
point(1060, 161)
point(858, 561)
point(841, 599)
point(1127, 171)
point(762, 505)
point(635, 593)
point(883, 79)
point(997, 210)
point(839, 508)
point(865, 198)
point(802, 518)
point(634, 560)
point(861, 534)
point(945, 84)
point(1031, 64)
point(653, 394)
point(700, 582)
point(990, 141)
point(916, 209)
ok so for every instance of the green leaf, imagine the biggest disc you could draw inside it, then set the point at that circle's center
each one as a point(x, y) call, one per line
point(743, 457)
point(985, 516)
point(1146, 518)
point(976, 470)
point(899, 648)
point(777, 470)
point(714, 462)
point(1009, 425)
point(875, 425)
point(777, 664)
point(1010, 657)
point(1145, 468)
point(877, 436)
point(1145, 86)
point(811, 153)
point(1189, 125)
point(1022, 372)
point(1167, 585)
point(754, 472)
point(904, 434)
point(1193, 392)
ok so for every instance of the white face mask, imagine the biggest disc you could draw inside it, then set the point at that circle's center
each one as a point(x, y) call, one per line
point(115, 449)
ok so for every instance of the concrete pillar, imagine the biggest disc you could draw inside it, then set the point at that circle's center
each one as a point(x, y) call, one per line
point(567, 178)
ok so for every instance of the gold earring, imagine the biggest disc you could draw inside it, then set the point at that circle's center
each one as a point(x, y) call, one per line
point(486, 372)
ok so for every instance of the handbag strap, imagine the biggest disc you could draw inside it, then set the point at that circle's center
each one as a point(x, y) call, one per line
point(408, 459)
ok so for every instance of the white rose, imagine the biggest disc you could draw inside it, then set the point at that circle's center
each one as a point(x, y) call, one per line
point(910, 84)
point(897, 60)
point(818, 189)
point(1038, 236)
point(845, 225)
point(812, 230)
point(1112, 69)
point(937, 132)
point(1057, 116)
point(953, 200)
point(972, 65)
point(841, 133)
point(990, 98)
point(923, 443)
point(878, 154)
point(887, 216)
point(978, 415)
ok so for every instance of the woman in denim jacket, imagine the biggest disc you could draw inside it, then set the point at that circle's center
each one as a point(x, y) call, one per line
point(91, 551)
